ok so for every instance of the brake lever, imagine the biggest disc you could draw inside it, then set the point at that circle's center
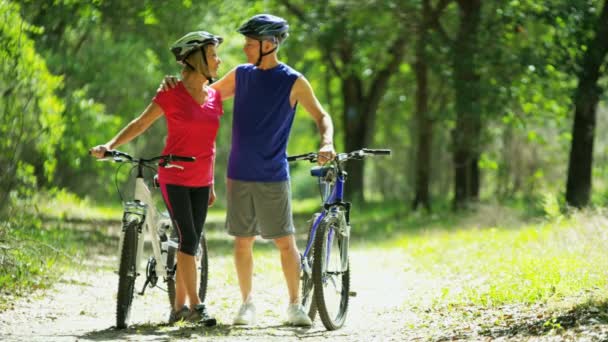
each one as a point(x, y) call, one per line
point(169, 166)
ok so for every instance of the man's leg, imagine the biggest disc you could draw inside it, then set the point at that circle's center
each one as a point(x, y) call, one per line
point(290, 261)
point(243, 260)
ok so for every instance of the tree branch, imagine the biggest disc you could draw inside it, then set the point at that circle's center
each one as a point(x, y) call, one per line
point(433, 20)
point(436, 13)
point(333, 64)
point(297, 11)
point(380, 82)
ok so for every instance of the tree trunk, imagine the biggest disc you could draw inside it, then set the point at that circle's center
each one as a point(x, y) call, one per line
point(468, 122)
point(354, 137)
point(424, 124)
point(578, 187)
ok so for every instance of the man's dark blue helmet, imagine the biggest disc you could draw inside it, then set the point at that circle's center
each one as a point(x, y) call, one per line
point(265, 27)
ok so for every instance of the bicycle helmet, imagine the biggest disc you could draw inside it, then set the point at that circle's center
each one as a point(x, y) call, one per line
point(265, 27)
point(190, 43)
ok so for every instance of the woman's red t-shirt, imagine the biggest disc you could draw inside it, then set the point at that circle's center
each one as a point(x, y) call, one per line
point(191, 132)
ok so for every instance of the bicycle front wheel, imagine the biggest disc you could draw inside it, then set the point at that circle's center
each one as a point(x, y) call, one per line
point(126, 275)
point(308, 300)
point(331, 276)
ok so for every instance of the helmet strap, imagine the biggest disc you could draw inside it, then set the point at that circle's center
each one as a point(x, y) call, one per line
point(257, 64)
point(208, 77)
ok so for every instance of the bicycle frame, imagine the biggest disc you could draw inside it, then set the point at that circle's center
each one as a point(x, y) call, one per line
point(149, 220)
point(326, 271)
point(332, 201)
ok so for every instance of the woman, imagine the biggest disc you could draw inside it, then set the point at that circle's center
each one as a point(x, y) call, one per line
point(192, 111)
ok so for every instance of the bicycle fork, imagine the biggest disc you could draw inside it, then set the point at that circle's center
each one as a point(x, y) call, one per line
point(134, 215)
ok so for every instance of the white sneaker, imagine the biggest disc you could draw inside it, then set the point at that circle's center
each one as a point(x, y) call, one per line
point(296, 316)
point(246, 315)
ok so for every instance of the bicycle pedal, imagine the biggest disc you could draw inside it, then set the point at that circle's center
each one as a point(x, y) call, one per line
point(352, 294)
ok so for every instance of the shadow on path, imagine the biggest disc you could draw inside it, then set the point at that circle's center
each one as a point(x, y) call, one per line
point(167, 332)
point(581, 317)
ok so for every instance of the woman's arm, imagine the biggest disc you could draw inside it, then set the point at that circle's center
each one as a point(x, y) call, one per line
point(132, 130)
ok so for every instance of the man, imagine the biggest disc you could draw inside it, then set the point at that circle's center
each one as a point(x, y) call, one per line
point(266, 93)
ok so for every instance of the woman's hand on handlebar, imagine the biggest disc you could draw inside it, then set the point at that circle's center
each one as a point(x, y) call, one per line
point(99, 151)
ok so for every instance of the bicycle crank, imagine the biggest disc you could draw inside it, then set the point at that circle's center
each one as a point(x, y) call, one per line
point(151, 277)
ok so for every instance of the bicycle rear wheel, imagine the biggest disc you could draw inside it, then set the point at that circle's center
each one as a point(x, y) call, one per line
point(331, 276)
point(203, 270)
point(126, 275)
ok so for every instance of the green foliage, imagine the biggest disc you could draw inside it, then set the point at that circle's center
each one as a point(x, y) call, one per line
point(31, 256)
point(502, 264)
point(111, 56)
point(30, 124)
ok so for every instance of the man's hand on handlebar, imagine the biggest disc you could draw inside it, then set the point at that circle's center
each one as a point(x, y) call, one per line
point(326, 154)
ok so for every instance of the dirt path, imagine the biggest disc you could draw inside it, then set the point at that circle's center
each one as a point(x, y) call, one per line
point(82, 305)
point(393, 303)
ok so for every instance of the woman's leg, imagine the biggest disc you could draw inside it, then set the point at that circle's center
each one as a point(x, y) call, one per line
point(179, 203)
point(199, 200)
point(187, 269)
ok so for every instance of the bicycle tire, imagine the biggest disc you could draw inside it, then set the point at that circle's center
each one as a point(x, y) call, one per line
point(203, 271)
point(307, 284)
point(332, 317)
point(171, 268)
point(126, 275)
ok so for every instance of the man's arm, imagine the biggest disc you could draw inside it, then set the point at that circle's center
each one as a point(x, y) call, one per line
point(226, 85)
point(302, 93)
point(132, 130)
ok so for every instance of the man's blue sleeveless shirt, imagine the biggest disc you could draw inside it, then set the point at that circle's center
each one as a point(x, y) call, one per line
point(261, 124)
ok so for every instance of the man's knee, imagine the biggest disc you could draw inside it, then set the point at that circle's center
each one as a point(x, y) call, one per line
point(243, 244)
point(285, 243)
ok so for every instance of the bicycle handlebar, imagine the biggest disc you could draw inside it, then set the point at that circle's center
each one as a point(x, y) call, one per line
point(357, 154)
point(381, 151)
point(306, 156)
point(165, 159)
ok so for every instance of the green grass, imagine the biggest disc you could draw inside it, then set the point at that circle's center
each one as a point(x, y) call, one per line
point(495, 265)
point(63, 205)
point(37, 244)
point(33, 256)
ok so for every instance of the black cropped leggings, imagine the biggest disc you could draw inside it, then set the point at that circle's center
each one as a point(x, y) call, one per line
point(188, 209)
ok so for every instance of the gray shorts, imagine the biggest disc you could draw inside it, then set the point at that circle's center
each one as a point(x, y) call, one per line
point(256, 208)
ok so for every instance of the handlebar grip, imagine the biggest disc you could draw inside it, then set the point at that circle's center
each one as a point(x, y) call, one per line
point(381, 151)
point(181, 158)
point(108, 154)
point(306, 156)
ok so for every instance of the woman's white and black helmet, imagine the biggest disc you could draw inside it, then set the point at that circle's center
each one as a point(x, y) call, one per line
point(265, 27)
point(193, 42)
